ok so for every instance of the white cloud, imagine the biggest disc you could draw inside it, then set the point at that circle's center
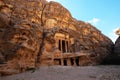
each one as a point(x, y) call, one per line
point(94, 21)
point(112, 35)
point(50, 0)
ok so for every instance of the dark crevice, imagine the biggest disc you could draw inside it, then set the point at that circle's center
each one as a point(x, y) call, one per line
point(43, 38)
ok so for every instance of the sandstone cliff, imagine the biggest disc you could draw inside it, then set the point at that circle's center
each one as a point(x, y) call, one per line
point(28, 29)
point(114, 57)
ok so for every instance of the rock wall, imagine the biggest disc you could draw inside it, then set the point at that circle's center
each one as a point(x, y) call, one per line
point(114, 57)
point(27, 30)
point(117, 46)
point(20, 34)
point(85, 37)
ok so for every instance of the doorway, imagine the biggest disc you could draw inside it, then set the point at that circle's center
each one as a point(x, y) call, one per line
point(77, 61)
point(72, 61)
point(65, 62)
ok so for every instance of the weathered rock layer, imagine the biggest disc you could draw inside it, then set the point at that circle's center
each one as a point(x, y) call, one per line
point(30, 29)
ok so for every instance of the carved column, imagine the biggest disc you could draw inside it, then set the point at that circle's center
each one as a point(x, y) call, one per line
point(74, 61)
point(68, 62)
point(57, 43)
point(62, 62)
point(66, 46)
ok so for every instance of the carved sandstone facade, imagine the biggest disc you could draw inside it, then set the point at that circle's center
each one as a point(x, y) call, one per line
point(35, 33)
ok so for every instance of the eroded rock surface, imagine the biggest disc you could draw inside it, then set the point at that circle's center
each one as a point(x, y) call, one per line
point(114, 58)
point(33, 28)
point(117, 46)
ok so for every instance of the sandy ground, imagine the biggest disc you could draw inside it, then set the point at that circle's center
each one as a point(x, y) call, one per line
point(69, 73)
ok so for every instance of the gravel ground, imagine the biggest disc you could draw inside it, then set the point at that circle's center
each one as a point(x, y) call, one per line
point(69, 73)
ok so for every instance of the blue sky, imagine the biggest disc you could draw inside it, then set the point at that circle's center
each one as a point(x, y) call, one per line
point(103, 14)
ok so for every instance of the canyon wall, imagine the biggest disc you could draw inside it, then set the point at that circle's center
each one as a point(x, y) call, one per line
point(29, 29)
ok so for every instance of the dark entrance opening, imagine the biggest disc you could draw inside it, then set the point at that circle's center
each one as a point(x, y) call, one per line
point(67, 46)
point(65, 62)
point(59, 45)
point(63, 46)
point(72, 61)
point(77, 61)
